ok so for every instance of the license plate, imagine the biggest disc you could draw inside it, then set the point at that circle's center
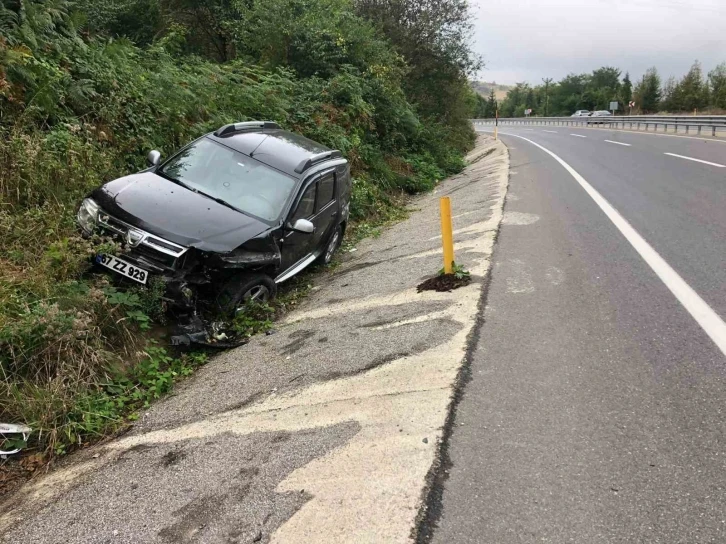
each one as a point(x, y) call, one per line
point(122, 267)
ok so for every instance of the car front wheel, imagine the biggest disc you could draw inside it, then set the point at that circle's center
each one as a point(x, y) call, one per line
point(245, 288)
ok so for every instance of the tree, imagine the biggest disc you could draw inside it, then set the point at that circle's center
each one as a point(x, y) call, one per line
point(515, 102)
point(433, 38)
point(670, 101)
point(647, 92)
point(567, 96)
point(605, 77)
point(691, 92)
point(626, 90)
point(491, 105)
point(547, 81)
point(717, 80)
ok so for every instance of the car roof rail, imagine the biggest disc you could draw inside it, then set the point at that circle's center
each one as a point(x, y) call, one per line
point(310, 161)
point(247, 125)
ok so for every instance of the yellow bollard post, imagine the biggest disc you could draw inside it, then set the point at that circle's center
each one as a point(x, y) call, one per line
point(447, 234)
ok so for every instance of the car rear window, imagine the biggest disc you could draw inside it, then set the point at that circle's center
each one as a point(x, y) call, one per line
point(326, 190)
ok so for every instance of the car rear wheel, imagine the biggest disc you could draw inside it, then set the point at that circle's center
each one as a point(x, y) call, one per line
point(333, 244)
point(244, 288)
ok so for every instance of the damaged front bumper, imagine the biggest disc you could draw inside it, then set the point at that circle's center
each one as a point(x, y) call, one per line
point(195, 331)
point(191, 276)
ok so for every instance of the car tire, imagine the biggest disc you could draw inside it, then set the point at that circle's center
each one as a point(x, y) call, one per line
point(336, 238)
point(242, 288)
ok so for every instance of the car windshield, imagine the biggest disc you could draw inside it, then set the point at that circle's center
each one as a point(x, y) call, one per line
point(236, 179)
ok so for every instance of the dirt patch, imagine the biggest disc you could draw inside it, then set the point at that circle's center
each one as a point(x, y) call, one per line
point(14, 471)
point(378, 361)
point(172, 457)
point(444, 283)
point(192, 519)
point(300, 338)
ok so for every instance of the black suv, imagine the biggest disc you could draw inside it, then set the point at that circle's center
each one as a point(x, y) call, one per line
point(228, 217)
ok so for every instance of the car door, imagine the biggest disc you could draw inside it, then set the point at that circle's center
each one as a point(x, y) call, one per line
point(297, 245)
point(317, 204)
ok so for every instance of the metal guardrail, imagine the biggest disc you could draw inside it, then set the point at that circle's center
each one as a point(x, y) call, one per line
point(715, 124)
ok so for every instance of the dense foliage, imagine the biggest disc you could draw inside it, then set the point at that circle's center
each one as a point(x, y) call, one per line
point(88, 86)
point(595, 91)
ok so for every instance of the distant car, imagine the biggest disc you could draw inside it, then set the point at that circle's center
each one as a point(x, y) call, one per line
point(600, 113)
point(581, 113)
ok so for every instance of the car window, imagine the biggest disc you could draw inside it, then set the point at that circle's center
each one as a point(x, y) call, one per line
point(326, 190)
point(239, 180)
point(306, 207)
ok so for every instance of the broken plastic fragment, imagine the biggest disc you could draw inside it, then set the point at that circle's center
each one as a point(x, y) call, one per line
point(7, 430)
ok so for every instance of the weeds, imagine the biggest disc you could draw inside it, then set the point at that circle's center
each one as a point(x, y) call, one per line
point(64, 420)
point(254, 319)
point(458, 271)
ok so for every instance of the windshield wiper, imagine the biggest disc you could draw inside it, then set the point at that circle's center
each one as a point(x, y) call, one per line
point(195, 190)
point(177, 181)
point(218, 200)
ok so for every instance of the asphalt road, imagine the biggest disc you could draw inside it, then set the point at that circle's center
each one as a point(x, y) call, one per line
point(596, 401)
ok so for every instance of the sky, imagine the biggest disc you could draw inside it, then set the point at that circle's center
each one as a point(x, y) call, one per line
point(527, 40)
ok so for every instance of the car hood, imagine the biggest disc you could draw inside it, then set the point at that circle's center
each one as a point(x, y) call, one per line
point(162, 207)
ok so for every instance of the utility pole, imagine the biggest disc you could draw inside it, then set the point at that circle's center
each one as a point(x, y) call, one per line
point(547, 82)
point(496, 124)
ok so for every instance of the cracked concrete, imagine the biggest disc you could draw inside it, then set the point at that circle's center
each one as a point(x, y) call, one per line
point(322, 432)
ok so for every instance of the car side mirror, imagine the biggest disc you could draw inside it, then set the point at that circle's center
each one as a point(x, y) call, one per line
point(303, 225)
point(153, 158)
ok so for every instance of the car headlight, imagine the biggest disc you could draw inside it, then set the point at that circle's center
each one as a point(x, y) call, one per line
point(88, 215)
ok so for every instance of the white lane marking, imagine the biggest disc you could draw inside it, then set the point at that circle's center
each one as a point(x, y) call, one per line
point(696, 160)
point(717, 139)
point(617, 143)
point(529, 129)
point(578, 135)
point(709, 320)
point(551, 131)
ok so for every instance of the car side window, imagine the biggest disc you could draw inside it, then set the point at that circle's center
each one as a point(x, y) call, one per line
point(306, 206)
point(326, 190)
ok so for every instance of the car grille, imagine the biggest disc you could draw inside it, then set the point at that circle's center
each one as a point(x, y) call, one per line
point(143, 244)
point(155, 256)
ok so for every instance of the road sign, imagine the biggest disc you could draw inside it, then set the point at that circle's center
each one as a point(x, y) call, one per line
point(528, 111)
point(613, 106)
point(631, 104)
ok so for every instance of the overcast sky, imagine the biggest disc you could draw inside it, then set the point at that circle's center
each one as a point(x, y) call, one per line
point(527, 40)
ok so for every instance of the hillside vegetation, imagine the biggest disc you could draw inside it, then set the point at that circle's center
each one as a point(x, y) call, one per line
point(484, 88)
point(87, 87)
point(595, 91)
